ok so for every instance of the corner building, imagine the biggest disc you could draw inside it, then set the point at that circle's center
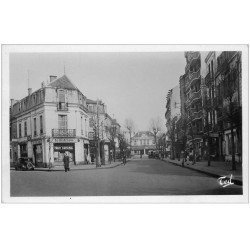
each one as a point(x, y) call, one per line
point(49, 122)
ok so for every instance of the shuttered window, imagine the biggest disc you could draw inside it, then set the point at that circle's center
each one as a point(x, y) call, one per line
point(62, 122)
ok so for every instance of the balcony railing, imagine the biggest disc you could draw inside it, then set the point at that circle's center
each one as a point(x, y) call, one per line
point(62, 106)
point(193, 96)
point(191, 56)
point(197, 114)
point(63, 132)
point(193, 75)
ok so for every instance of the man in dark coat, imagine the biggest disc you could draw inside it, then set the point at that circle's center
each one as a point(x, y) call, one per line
point(66, 162)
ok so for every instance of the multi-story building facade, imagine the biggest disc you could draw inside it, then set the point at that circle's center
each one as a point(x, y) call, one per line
point(142, 142)
point(193, 102)
point(210, 113)
point(210, 93)
point(49, 122)
point(172, 115)
point(228, 82)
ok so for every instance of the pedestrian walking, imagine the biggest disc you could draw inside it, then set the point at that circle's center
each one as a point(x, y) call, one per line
point(66, 162)
point(124, 159)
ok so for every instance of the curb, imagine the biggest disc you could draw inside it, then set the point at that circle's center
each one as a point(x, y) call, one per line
point(72, 169)
point(236, 182)
point(81, 169)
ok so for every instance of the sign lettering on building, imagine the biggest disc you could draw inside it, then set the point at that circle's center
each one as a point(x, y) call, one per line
point(60, 140)
point(63, 148)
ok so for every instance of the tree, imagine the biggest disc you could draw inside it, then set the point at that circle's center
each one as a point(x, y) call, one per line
point(112, 134)
point(208, 108)
point(155, 126)
point(130, 126)
point(162, 143)
point(171, 133)
point(123, 146)
point(191, 130)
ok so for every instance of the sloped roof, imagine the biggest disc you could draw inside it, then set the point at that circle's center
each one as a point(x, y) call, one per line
point(141, 133)
point(89, 101)
point(62, 82)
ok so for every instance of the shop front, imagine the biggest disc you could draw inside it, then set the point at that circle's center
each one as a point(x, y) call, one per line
point(23, 149)
point(61, 148)
point(38, 153)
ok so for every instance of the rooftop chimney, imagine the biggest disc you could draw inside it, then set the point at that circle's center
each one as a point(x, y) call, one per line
point(12, 101)
point(29, 91)
point(52, 78)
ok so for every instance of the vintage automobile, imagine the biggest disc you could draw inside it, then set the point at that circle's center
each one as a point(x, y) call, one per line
point(25, 164)
point(151, 154)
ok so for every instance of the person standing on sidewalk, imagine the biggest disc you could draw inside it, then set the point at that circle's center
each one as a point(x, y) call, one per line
point(124, 158)
point(66, 162)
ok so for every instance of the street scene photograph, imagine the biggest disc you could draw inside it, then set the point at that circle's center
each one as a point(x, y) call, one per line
point(157, 123)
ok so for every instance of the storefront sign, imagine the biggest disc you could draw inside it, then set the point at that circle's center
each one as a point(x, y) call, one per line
point(63, 148)
point(66, 140)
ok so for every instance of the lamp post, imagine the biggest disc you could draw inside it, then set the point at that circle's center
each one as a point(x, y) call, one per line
point(98, 137)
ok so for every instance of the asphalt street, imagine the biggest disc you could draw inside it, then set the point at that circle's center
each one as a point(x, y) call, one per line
point(137, 177)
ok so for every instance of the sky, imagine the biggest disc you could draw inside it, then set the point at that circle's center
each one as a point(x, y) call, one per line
point(132, 84)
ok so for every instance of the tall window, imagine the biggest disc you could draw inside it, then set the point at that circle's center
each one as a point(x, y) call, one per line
point(20, 130)
point(62, 100)
point(81, 126)
point(25, 128)
point(35, 132)
point(41, 124)
point(212, 68)
point(62, 122)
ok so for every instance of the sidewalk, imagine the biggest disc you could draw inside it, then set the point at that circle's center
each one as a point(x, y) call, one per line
point(81, 167)
point(217, 169)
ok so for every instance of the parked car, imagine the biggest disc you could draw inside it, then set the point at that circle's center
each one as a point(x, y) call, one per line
point(25, 164)
point(151, 154)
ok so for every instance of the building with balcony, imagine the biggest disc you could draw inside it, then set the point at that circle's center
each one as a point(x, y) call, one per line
point(191, 85)
point(49, 122)
point(227, 100)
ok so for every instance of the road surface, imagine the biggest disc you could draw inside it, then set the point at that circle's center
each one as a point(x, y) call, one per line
point(137, 177)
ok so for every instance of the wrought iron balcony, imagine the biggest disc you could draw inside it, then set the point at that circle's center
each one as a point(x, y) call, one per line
point(63, 132)
point(193, 96)
point(197, 114)
point(194, 75)
point(62, 106)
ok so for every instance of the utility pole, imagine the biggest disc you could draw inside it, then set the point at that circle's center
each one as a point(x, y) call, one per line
point(98, 136)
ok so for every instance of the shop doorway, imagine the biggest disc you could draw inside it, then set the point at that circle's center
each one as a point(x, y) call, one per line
point(60, 149)
point(38, 155)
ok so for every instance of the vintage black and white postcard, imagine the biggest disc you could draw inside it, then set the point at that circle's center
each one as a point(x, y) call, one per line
point(144, 123)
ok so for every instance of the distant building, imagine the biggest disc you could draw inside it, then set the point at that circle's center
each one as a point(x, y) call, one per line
point(142, 142)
